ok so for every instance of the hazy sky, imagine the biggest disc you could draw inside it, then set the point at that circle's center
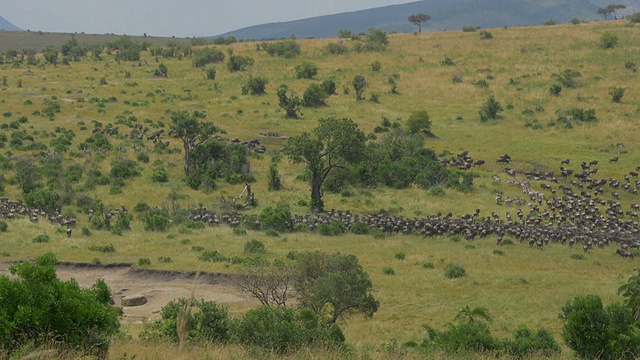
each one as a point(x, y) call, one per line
point(180, 18)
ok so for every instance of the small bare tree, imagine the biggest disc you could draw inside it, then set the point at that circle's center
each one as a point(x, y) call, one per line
point(418, 19)
point(272, 285)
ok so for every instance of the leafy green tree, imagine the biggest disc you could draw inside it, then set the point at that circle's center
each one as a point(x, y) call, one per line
point(631, 293)
point(290, 104)
point(335, 284)
point(277, 218)
point(469, 315)
point(208, 56)
point(611, 10)
point(333, 144)
point(37, 307)
point(418, 19)
point(193, 132)
point(359, 83)
point(418, 122)
point(27, 175)
point(587, 328)
point(51, 55)
point(287, 48)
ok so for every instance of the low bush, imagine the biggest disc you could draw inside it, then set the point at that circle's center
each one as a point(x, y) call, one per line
point(283, 329)
point(42, 238)
point(428, 265)
point(306, 70)
point(277, 218)
point(103, 248)
point(453, 271)
point(399, 256)
point(201, 320)
point(212, 256)
point(254, 247)
point(332, 229)
point(144, 261)
point(4, 226)
point(255, 86)
point(388, 271)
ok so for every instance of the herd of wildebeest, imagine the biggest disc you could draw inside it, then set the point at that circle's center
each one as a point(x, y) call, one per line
point(576, 209)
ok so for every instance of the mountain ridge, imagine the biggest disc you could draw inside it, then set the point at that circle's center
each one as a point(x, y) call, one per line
point(446, 15)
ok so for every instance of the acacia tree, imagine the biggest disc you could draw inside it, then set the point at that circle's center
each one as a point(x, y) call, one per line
point(333, 144)
point(611, 10)
point(418, 19)
point(193, 132)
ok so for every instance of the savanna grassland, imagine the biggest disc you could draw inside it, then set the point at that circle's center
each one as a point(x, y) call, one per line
point(517, 66)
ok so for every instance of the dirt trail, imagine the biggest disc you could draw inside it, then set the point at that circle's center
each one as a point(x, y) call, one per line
point(159, 287)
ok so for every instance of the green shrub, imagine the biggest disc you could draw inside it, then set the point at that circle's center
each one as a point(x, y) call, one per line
point(144, 261)
point(418, 122)
point(361, 228)
point(239, 63)
point(4, 226)
point(314, 96)
point(617, 93)
point(254, 247)
point(203, 321)
point(428, 265)
point(555, 89)
point(165, 259)
point(376, 66)
point(388, 271)
point(38, 307)
point(212, 256)
point(399, 256)
point(283, 329)
point(608, 40)
point(306, 70)
point(490, 109)
point(103, 248)
point(141, 207)
point(332, 229)
point(526, 343)
point(197, 248)
point(156, 220)
point(42, 238)
point(124, 169)
point(160, 175)
point(336, 48)
point(277, 218)
point(286, 48)
point(498, 252)
point(329, 87)
point(238, 231)
point(273, 178)
point(271, 232)
point(485, 35)
point(255, 86)
point(464, 337)
point(578, 257)
point(630, 65)
point(453, 271)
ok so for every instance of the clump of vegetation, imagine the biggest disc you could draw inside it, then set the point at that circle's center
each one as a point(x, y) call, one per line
point(490, 109)
point(388, 271)
point(454, 271)
point(39, 307)
point(277, 218)
point(287, 49)
point(255, 86)
point(617, 93)
point(306, 70)
point(239, 63)
point(254, 247)
point(608, 40)
point(314, 96)
point(144, 261)
point(485, 35)
point(4, 226)
point(289, 103)
point(103, 248)
point(359, 83)
point(42, 238)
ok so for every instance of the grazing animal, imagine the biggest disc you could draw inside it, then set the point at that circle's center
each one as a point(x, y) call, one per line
point(613, 160)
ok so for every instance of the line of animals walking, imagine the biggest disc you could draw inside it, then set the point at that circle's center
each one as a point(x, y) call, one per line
point(573, 212)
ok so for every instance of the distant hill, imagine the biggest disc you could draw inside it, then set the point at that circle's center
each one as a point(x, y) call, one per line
point(5, 25)
point(445, 15)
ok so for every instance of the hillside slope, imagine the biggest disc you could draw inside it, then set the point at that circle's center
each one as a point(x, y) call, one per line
point(450, 14)
point(5, 25)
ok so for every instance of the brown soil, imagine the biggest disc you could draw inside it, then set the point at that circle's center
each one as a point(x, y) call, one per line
point(159, 287)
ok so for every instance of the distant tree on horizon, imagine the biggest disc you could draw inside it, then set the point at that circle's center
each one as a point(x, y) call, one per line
point(611, 10)
point(418, 19)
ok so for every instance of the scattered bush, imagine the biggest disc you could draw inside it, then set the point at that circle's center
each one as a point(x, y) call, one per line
point(608, 40)
point(282, 329)
point(160, 175)
point(555, 89)
point(359, 83)
point(254, 247)
point(485, 35)
point(4, 226)
point(418, 122)
point(286, 49)
point(376, 66)
point(453, 271)
point(103, 248)
point(332, 229)
point(306, 70)
point(314, 96)
point(202, 321)
point(630, 65)
point(578, 257)
point(617, 93)
point(144, 261)
point(255, 86)
point(428, 265)
point(277, 218)
point(469, 28)
point(42, 238)
point(399, 256)
point(164, 259)
point(388, 271)
point(490, 109)
point(239, 63)
point(212, 256)
point(329, 87)
point(498, 252)
point(273, 178)
point(156, 220)
point(361, 228)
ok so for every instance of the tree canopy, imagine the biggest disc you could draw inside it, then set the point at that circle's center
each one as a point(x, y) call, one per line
point(193, 132)
point(332, 144)
point(418, 19)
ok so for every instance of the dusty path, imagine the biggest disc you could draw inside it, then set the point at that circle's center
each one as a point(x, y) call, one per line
point(159, 287)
